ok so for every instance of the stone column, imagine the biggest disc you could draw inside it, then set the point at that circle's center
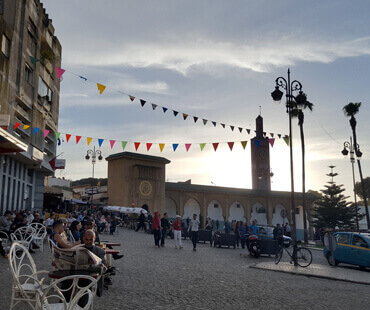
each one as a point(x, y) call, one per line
point(269, 211)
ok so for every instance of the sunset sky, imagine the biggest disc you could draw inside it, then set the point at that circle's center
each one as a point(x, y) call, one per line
point(217, 60)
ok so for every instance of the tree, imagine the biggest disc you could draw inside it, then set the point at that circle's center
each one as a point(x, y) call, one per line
point(332, 209)
point(299, 113)
point(367, 188)
point(350, 110)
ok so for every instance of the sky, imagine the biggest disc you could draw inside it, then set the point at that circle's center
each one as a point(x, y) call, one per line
point(217, 60)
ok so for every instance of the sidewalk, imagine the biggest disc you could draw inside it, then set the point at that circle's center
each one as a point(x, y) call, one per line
point(319, 271)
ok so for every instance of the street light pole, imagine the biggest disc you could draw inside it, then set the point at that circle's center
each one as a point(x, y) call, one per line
point(291, 102)
point(93, 154)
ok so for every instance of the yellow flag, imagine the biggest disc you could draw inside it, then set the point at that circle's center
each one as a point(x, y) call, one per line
point(26, 126)
point(244, 144)
point(88, 140)
point(161, 146)
point(101, 88)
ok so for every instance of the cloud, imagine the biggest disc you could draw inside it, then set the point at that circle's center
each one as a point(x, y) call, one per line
point(183, 56)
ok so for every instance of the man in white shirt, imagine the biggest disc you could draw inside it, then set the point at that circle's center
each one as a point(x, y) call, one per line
point(193, 227)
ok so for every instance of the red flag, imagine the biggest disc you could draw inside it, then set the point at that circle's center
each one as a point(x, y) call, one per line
point(187, 145)
point(132, 98)
point(78, 139)
point(231, 145)
point(148, 146)
point(68, 136)
point(137, 145)
point(17, 125)
point(215, 146)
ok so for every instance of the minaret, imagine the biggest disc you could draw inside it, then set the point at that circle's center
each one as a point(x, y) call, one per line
point(261, 178)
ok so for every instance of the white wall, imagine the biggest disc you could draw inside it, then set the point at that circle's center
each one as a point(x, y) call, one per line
point(191, 207)
point(236, 213)
point(215, 213)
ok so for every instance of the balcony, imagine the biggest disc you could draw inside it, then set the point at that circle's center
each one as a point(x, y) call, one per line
point(50, 148)
point(24, 101)
point(22, 114)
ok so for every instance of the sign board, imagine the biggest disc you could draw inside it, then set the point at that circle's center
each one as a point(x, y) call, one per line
point(60, 164)
point(37, 155)
point(4, 119)
point(90, 191)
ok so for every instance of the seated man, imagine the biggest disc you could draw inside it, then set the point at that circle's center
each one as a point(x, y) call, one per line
point(89, 240)
point(57, 236)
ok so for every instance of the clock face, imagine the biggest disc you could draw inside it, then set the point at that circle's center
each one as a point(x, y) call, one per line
point(262, 154)
point(145, 188)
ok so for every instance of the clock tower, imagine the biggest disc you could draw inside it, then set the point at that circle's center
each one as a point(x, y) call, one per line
point(260, 151)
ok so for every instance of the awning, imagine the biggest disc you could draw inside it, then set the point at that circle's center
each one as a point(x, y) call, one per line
point(10, 144)
point(78, 201)
point(125, 209)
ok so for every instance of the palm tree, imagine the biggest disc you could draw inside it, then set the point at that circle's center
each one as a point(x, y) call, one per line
point(299, 113)
point(350, 110)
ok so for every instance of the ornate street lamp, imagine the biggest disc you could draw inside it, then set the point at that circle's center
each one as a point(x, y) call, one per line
point(93, 154)
point(292, 102)
point(353, 154)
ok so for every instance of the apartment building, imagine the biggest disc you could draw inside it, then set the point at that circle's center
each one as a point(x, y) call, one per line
point(29, 95)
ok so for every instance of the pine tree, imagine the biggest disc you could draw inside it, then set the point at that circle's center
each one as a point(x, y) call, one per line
point(332, 209)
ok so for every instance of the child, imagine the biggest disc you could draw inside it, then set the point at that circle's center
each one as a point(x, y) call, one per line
point(177, 231)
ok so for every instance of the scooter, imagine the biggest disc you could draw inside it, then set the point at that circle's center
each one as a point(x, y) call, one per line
point(253, 246)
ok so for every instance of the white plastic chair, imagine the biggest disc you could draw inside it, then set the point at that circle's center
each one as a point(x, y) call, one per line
point(5, 240)
point(23, 235)
point(69, 293)
point(27, 281)
point(39, 235)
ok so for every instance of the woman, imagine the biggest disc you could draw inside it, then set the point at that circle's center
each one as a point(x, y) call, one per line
point(177, 231)
point(56, 236)
point(75, 230)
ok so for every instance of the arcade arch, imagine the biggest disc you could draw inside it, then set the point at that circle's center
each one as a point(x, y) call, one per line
point(214, 211)
point(191, 207)
point(170, 208)
point(276, 215)
point(236, 212)
point(259, 213)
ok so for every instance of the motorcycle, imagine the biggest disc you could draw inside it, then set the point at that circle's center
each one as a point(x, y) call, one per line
point(253, 246)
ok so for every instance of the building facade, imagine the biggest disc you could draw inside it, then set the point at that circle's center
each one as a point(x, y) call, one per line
point(29, 96)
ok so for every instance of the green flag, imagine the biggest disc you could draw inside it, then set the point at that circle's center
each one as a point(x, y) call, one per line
point(202, 145)
point(34, 60)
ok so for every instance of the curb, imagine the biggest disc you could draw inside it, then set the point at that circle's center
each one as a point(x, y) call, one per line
point(310, 275)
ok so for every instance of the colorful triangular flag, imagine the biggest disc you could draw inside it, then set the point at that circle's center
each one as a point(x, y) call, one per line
point(161, 146)
point(215, 146)
point(286, 139)
point(279, 135)
point(195, 119)
point(154, 106)
point(202, 145)
point(223, 125)
point(205, 121)
point(132, 98)
point(34, 60)
point(124, 143)
point(257, 143)
point(46, 132)
point(244, 144)
point(26, 127)
point(175, 113)
point(231, 145)
point(248, 131)
point(101, 88)
point(187, 146)
point(17, 125)
point(264, 134)
point(185, 116)
point(142, 102)
point(137, 145)
point(240, 129)
point(271, 134)
point(148, 146)
point(35, 130)
point(272, 141)
point(57, 134)
point(112, 143)
point(88, 140)
point(78, 138)
point(100, 142)
point(68, 136)
point(214, 123)
point(175, 145)
point(164, 109)
point(85, 79)
point(232, 128)
point(59, 72)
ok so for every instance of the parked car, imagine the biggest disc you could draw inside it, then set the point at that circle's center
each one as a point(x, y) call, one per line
point(266, 232)
point(351, 248)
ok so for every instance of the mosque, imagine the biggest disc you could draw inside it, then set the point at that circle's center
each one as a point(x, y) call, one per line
point(138, 179)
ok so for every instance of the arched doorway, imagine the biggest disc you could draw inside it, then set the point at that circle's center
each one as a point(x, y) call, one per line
point(214, 211)
point(145, 207)
point(191, 207)
point(170, 208)
point(259, 214)
point(236, 212)
point(277, 218)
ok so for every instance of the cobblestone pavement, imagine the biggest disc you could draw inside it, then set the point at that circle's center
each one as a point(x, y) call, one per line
point(210, 278)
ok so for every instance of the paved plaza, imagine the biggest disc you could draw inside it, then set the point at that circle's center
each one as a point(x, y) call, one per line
point(211, 278)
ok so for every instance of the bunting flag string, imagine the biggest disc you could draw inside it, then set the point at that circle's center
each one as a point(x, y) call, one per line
point(149, 145)
point(101, 89)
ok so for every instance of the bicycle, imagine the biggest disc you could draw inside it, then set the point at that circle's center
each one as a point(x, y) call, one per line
point(304, 256)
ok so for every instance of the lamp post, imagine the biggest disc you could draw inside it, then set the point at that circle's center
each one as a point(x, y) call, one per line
point(354, 150)
point(292, 102)
point(93, 154)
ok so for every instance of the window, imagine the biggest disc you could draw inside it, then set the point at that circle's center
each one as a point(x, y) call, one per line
point(28, 74)
point(296, 210)
point(31, 27)
point(359, 241)
point(215, 205)
point(343, 238)
point(238, 205)
point(5, 46)
point(44, 90)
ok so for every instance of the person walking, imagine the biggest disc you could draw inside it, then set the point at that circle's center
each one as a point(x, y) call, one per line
point(278, 234)
point(237, 233)
point(193, 227)
point(243, 234)
point(156, 226)
point(141, 222)
point(177, 231)
point(287, 230)
point(165, 226)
